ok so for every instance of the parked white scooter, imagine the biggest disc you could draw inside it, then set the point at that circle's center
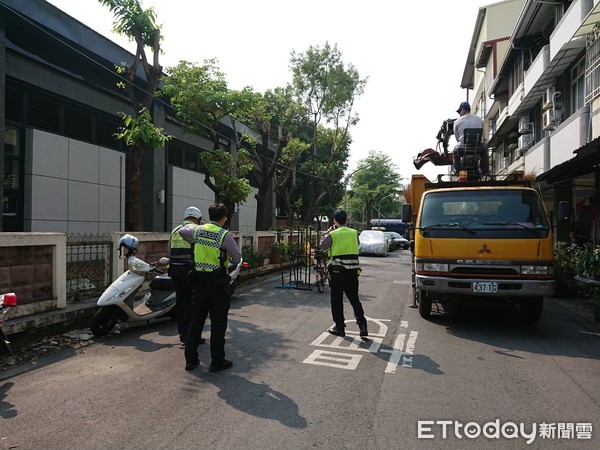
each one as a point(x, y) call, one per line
point(121, 301)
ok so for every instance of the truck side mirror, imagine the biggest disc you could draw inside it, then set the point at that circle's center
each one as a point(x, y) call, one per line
point(564, 211)
point(407, 213)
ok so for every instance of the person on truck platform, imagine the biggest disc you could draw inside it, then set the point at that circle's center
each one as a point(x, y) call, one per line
point(467, 120)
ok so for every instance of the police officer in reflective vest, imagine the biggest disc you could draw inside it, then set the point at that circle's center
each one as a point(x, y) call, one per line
point(341, 243)
point(215, 251)
point(181, 263)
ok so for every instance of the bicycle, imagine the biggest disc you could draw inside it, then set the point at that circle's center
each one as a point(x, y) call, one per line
point(321, 270)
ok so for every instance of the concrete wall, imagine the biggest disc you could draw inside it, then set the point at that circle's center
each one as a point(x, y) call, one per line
point(33, 265)
point(247, 214)
point(72, 186)
point(569, 136)
point(186, 188)
point(535, 157)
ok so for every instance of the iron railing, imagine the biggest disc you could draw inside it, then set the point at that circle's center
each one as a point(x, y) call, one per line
point(89, 265)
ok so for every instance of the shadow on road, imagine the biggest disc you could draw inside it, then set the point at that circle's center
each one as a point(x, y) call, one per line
point(7, 410)
point(256, 399)
point(560, 331)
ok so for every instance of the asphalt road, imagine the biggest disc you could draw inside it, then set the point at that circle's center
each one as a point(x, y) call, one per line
point(294, 386)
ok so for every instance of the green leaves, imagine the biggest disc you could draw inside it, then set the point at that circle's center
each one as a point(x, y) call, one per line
point(132, 21)
point(140, 131)
point(373, 184)
point(229, 174)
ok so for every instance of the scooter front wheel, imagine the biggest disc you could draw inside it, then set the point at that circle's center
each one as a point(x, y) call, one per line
point(104, 320)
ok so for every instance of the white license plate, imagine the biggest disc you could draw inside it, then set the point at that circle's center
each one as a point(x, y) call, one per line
point(485, 287)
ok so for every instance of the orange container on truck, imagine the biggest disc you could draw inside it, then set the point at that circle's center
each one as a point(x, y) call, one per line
point(484, 242)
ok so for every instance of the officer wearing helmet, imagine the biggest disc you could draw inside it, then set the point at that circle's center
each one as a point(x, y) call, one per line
point(181, 263)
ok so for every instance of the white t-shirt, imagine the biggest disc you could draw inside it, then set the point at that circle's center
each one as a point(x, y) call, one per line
point(464, 122)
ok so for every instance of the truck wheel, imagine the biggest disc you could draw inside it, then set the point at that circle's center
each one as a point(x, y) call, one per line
point(104, 320)
point(424, 303)
point(531, 309)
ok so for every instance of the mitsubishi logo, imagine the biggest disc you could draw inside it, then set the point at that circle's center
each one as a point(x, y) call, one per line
point(484, 249)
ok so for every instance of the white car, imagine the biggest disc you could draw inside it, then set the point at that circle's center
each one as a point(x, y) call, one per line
point(373, 242)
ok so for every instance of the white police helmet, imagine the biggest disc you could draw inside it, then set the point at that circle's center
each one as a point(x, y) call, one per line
point(192, 211)
point(129, 242)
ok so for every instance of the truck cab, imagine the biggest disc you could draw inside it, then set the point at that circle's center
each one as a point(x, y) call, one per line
point(481, 242)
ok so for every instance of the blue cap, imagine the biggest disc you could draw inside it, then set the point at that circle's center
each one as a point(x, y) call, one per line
point(464, 105)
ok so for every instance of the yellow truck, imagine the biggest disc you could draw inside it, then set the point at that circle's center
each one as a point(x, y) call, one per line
point(484, 242)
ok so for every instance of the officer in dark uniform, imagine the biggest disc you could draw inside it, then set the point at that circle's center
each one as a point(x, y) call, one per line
point(341, 243)
point(181, 263)
point(215, 251)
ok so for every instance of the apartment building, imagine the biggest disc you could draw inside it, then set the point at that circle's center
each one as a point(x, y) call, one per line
point(536, 84)
point(64, 171)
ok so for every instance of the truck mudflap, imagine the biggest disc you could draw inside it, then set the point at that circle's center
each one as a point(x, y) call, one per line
point(509, 288)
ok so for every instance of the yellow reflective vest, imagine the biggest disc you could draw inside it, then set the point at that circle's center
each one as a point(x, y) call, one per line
point(181, 250)
point(208, 242)
point(344, 248)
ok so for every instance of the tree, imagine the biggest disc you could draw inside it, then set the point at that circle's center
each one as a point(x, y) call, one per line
point(271, 113)
point(202, 100)
point(326, 88)
point(330, 173)
point(372, 184)
point(287, 177)
point(139, 25)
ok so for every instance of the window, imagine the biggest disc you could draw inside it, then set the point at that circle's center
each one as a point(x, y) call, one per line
point(577, 85)
point(43, 113)
point(105, 130)
point(78, 124)
point(12, 206)
point(592, 70)
point(13, 105)
point(183, 155)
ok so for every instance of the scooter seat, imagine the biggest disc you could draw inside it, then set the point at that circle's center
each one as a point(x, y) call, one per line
point(162, 283)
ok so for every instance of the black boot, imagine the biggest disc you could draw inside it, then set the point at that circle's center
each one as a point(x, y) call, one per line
point(362, 326)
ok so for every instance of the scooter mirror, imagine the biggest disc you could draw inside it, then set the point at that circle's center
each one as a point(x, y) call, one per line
point(164, 260)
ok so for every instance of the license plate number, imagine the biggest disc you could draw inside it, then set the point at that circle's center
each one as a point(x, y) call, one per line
point(485, 287)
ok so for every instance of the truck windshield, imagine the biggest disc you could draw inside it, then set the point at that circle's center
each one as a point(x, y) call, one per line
point(501, 213)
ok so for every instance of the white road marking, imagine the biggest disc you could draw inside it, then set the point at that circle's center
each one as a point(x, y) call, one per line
point(333, 359)
point(410, 349)
point(399, 355)
point(396, 354)
point(354, 343)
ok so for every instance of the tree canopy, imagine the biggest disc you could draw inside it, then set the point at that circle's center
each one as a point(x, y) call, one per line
point(378, 182)
point(327, 89)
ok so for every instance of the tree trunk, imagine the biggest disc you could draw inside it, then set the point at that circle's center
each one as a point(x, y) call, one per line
point(136, 216)
point(230, 209)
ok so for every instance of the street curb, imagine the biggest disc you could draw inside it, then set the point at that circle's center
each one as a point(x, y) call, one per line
point(82, 311)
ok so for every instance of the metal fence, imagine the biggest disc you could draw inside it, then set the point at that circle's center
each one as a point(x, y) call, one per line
point(89, 265)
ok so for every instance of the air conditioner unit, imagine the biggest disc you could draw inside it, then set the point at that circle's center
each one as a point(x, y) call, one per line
point(524, 143)
point(548, 120)
point(524, 125)
point(547, 99)
point(512, 146)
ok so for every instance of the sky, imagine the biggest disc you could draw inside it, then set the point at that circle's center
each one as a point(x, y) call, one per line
point(413, 55)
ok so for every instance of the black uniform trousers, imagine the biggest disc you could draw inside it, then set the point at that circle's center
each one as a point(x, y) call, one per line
point(184, 289)
point(345, 281)
point(211, 297)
